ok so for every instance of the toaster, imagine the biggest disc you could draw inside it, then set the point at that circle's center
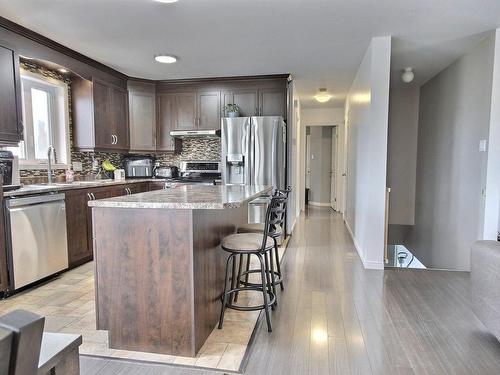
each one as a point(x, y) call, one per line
point(167, 172)
point(139, 167)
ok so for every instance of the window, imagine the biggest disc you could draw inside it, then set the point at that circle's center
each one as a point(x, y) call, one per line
point(45, 113)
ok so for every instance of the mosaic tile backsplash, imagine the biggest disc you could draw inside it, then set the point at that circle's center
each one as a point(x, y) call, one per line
point(192, 148)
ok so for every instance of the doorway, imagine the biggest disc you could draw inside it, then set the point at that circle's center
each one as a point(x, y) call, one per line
point(321, 166)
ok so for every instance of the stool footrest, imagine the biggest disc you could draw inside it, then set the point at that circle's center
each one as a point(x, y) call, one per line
point(272, 299)
point(278, 279)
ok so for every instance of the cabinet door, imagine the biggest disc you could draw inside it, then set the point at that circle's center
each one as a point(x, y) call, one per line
point(272, 102)
point(166, 122)
point(142, 120)
point(156, 185)
point(139, 187)
point(100, 193)
point(245, 99)
point(4, 280)
point(76, 222)
point(208, 110)
point(119, 114)
point(102, 115)
point(185, 111)
point(11, 128)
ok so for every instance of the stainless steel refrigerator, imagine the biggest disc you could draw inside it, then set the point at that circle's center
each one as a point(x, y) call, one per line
point(254, 153)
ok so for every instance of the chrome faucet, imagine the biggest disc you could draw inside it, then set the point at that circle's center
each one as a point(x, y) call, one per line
point(49, 164)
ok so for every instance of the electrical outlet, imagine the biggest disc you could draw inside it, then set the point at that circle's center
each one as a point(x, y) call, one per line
point(482, 145)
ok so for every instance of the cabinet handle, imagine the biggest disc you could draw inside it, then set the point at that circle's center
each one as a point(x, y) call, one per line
point(116, 139)
point(93, 196)
point(112, 139)
point(89, 196)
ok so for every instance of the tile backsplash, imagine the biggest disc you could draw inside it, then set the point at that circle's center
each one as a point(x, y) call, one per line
point(192, 148)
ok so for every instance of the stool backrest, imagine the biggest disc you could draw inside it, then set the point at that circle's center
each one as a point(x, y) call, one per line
point(275, 215)
point(27, 330)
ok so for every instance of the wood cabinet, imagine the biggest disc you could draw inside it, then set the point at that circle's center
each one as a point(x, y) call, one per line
point(166, 122)
point(100, 116)
point(142, 116)
point(79, 249)
point(185, 111)
point(11, 126)
point(257, 102)
point(79, 218)
point(247, 101)
point(272, 102)
point(208, 109)
point(4, 280)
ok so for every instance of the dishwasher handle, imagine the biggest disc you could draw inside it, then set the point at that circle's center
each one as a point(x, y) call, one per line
point(37, 199)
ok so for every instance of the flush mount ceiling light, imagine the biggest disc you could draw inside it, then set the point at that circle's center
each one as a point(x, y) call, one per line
point(63, 70)
point(407, 76)
point(166, 1)
point(323, 96)
point(165, 59)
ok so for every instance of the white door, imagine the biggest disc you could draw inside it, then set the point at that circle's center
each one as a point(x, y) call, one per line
point(308, 161)
point(333, 172)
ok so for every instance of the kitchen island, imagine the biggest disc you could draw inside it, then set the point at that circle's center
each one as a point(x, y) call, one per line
point(159, 268)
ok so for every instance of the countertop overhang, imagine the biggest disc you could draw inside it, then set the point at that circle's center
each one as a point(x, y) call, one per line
point(191, 197)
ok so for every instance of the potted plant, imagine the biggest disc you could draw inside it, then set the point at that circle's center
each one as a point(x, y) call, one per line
point(231, 110)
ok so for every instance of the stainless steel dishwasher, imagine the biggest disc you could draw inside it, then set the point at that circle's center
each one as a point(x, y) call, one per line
point(36, 238)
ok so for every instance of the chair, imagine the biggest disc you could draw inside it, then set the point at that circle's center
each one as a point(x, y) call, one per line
point(260, 245)
point(275, 234)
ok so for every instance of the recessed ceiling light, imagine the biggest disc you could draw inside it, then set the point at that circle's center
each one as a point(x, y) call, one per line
point(165, 59)
point(166, 1)
point(323, 96)
point(63, 70)
point(407, 76)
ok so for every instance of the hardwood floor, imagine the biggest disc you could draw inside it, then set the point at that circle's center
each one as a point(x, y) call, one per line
point(334, 317)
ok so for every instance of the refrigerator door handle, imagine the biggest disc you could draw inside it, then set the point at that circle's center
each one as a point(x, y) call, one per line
point(249, 154)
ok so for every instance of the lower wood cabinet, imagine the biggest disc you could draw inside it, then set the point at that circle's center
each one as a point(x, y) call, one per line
point(79, 218)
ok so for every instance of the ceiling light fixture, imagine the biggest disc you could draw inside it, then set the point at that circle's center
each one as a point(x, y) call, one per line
point(63, 70)
point(407, 76)
point(323, 96)
point(166, 1)
point(165, 59)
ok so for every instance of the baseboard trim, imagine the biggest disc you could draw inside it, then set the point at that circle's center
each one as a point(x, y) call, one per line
point(319, 204)
point(369, 265)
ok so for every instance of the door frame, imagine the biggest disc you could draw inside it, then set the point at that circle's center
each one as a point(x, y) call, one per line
point(334, 169)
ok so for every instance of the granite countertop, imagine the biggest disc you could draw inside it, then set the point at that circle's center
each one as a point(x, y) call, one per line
point(61, 186)
point(191, 197)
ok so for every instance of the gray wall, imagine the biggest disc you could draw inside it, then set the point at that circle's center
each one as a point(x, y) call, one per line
point(453, 118)
point(402, 153)
point(321, 164)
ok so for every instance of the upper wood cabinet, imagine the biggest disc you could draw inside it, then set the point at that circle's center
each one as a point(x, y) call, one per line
point(142, 116)
point(247, 101)
point(11, 126)
point(208, 109)
point(272, 102)
point(166, 122)
point(185, 110)
point(100, 116)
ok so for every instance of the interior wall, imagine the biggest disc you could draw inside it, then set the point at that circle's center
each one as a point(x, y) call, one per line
point(492, 191)
point(294, 145)
point(402, 153)
point(318, 117)
point(367, 111)
point(321, 165)
point(454, 117)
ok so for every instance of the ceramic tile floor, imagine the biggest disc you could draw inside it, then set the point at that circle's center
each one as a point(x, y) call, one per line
point(67, 302)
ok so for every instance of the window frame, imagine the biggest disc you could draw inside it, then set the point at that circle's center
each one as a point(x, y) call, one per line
point(57, 117)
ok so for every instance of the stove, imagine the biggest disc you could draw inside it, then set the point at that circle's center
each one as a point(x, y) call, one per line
point(198, 172)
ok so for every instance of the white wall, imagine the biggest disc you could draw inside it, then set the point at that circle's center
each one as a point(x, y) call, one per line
point(367, 109)
point(321, 165)
point(295, 160)
point(492, 198)
point(402, 153)
point(320, 117)
point(451, 171)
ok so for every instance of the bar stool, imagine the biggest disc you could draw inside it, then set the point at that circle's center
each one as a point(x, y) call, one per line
point(258, 244)
point(275, 233)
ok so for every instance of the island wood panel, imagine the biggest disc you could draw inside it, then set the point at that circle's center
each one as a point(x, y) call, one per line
point(209, 262)
point(144, 279)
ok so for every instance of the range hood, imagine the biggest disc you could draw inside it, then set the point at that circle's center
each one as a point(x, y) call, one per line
point(195, 133)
